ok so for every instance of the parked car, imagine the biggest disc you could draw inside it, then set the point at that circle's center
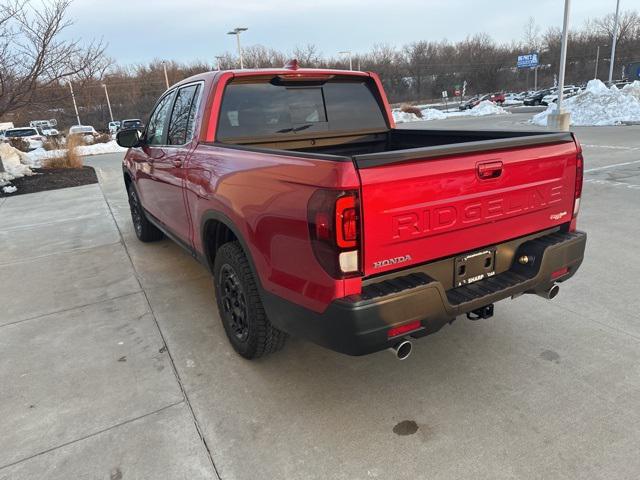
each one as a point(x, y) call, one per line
point(30, 134)
point(568, 91)
point(318, 218)
point(535, 98)
point(114, 127)
point(86, 132)
point(497, 98)
point(132, 123)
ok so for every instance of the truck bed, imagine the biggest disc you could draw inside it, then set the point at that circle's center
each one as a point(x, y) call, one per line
point(397, 145)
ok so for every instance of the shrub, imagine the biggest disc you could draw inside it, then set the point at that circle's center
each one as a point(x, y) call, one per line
point(53, 143)
point(70, 159)
point(102, 138)
point(411, 109)
point(20, 143)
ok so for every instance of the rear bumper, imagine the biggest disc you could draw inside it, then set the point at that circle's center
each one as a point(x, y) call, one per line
point(358, 324)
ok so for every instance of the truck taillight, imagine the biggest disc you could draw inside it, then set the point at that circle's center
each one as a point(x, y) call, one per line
point(334, 226)
point(578, 188)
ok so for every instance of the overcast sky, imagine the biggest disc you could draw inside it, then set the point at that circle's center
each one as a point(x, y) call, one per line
point(186, 30)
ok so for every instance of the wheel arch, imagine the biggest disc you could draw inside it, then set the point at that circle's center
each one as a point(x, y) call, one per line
point(216, 229)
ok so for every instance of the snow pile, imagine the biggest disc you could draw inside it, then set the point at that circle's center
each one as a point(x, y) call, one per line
point(10, 189)
point(598, 105)
point(486, 108)
point(433, 114)
point(13, 161)
point(483, 108)
point(632, 89)
point(37, 156)
point(427, 114)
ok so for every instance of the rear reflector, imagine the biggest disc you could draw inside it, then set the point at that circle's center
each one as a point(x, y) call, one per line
point(559, 273)
point(348, 261)
point(402, 329)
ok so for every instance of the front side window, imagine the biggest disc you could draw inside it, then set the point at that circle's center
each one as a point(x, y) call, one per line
point(158, 121)
point(183, 115)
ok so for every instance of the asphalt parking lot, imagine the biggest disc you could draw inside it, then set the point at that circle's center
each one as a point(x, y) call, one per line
point(115, 364)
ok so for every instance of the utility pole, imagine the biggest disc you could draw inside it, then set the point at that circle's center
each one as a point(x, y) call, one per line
point(166, 77)
point(348, 52)
point(237, 31)
point(559, 119)
point(595, 75)
point(613, 42)
point(75, 105)
point(106, 92)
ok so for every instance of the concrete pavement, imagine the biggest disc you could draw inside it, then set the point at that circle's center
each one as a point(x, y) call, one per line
point(115, 364)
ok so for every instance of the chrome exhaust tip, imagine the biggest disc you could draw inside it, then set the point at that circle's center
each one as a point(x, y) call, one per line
point(550, 293)
point(402, 350)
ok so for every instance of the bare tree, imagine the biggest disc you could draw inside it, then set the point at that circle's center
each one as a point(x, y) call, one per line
point(33, 55)
point(531, 35)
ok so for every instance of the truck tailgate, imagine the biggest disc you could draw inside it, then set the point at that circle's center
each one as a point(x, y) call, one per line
point(419, 210)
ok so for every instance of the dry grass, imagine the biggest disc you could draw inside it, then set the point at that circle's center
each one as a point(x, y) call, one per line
point(71, 158)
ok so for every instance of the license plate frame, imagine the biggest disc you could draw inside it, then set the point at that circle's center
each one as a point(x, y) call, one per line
point(475, 266)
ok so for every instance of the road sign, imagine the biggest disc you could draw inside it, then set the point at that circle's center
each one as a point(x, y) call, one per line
point(444, 94)
point(528, 61)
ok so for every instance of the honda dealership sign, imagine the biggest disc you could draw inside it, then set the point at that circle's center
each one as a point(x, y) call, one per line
point(528, 61)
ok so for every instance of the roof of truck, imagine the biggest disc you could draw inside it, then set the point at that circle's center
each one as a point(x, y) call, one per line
point(272, 71)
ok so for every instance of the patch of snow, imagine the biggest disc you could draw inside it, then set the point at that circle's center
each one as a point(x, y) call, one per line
point(37, 156)
point(10, 189)
point(14, 162)
point(598, 105)
point(401, 117)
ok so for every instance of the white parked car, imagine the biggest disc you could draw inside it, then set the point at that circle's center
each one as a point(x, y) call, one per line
point(30, 134)
point(86, 132)
point(114, 127)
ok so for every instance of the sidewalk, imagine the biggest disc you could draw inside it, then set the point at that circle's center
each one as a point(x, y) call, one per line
point(88, 387)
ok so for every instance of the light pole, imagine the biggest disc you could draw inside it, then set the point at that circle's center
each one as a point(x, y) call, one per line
point(237, 31)
point(559, 119)
point(75, 105)
point(106, 92)
point(598, 59)
point(613, 42)
point(166, 77)
point(348, 52)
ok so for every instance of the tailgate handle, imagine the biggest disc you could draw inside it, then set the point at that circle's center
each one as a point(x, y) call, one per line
point(489, 170)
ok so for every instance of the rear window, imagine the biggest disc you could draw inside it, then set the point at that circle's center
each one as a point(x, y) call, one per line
point(268, 109)
point(131, 123)
point(23, 132)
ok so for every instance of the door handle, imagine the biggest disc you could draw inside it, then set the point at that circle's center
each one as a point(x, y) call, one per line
point(177, 162)
point(488, 170)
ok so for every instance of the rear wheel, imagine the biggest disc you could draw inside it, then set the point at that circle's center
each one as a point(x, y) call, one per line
point(145, 230)
point(245, 322)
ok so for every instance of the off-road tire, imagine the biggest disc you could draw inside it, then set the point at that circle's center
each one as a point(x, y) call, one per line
point(243, 316)
point(145, 230)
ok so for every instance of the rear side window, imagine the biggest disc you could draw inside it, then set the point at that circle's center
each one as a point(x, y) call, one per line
point(269, 109)
point(182, 117)
point(158, 120)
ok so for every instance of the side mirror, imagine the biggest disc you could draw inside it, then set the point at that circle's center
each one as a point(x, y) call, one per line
point(129, 138)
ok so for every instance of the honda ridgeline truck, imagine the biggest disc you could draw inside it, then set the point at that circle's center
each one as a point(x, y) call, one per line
point(319, 218)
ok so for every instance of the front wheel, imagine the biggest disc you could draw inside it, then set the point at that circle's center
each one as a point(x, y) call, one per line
point(145, 230)
point(243, 316)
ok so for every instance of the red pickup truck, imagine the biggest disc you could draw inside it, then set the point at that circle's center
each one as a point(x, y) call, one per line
point(319, 218)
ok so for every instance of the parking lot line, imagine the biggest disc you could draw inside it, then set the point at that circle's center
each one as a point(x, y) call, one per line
point(611, 166)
